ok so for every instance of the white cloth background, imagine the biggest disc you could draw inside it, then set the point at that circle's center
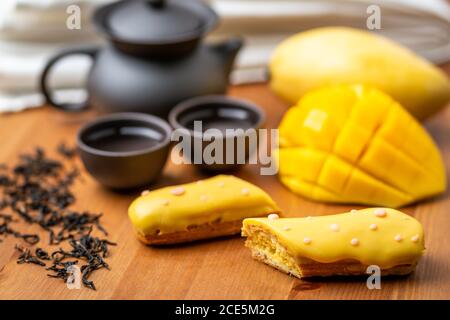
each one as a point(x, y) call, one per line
point(32, 30)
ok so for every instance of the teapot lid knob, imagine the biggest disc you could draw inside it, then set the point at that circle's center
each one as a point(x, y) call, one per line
point(156, 3)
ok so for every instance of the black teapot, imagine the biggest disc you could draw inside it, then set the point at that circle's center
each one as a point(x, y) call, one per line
point(154, 58)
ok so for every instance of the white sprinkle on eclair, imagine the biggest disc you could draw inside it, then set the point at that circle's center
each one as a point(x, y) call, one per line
point(221, 184)
point(306, 240)
point(178, 191)
point(165, 202)
point(203, 197)
point(415, 238)
point(398, 238)
point(145, 192)
point(286, 228)
point(354, 242)
point(309, 217)
point(373, 227)
point(353, 211)
point(380, 212)
point(334, 227)
point(245, 191)
point(273, 216)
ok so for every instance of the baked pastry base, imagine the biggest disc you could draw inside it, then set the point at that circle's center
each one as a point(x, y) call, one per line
point(194, 233)
point(265, 246)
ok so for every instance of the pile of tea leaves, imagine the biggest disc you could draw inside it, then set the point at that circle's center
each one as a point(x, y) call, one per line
point(37, 191)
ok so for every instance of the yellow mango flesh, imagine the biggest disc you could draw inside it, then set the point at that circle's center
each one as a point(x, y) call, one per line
point(339, 55)
point(355, 144)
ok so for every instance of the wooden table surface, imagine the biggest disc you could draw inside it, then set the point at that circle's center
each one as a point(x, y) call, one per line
point(218, 269)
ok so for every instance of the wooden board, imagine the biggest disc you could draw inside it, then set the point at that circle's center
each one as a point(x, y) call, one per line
point(218, 269)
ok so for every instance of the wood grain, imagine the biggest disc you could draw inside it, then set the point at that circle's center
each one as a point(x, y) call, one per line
point(218, 269)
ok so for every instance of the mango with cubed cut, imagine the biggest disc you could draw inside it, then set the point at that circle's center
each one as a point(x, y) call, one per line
point(355, 144)
point(339, 55)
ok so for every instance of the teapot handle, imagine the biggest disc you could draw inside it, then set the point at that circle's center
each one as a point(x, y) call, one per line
point(90, 52)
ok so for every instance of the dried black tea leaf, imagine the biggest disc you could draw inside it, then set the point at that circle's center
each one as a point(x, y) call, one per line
point(42, 254)
point(89, 249)
point(66, 151)
point(38, 191)
point(27, 257)
point(5, 230)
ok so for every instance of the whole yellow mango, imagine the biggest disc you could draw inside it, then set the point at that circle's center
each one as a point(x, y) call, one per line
point(355, 144)
point(339, 55)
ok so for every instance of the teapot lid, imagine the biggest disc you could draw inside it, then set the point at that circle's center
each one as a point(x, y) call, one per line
point(155, 21)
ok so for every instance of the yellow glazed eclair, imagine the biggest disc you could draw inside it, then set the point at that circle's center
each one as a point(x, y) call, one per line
point(204, 209)
point(341, 244)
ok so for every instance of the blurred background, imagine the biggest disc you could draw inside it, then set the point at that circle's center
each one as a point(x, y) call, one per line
point(33, 30)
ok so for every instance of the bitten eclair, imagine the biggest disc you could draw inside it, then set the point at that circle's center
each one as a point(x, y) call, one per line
point(341, 244)
point(204, 209)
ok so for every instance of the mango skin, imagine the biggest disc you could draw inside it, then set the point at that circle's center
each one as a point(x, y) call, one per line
point(355, 144)
point(339, 55)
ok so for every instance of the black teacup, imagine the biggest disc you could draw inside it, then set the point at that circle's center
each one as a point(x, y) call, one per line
point(125, 150)
point(208, 118)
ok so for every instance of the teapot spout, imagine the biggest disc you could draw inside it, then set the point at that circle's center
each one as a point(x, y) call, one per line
point(228, 50)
